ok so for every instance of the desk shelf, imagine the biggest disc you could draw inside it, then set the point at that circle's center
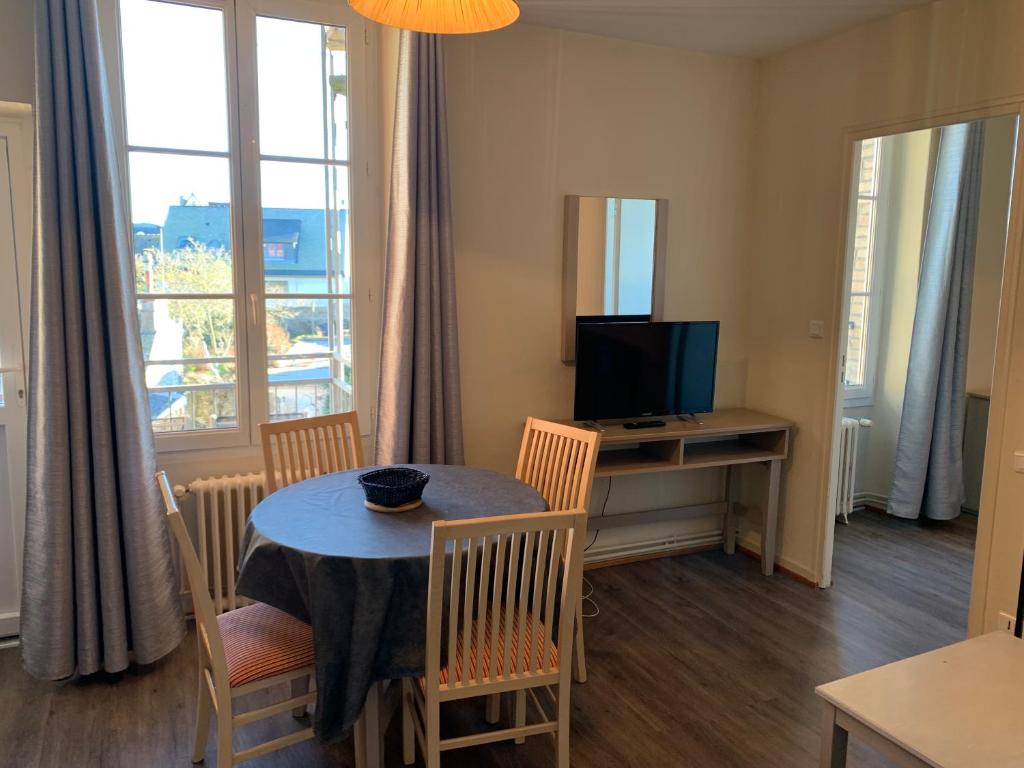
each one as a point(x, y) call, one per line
point(691, 452)
point(727, 438)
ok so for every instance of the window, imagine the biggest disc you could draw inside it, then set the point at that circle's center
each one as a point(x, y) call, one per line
point(865, 278)
point(238, 147)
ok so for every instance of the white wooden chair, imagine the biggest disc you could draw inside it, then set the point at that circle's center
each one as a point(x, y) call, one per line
point(504, 581)
point(240, 652)
point(559, 461)
point(299, 449)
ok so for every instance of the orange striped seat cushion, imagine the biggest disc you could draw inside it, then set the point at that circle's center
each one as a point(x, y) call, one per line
point(528, 659)
point(261, 641)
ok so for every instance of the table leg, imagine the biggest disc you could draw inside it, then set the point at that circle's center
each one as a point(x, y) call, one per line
point(300, 687)
point(770, 519)
point(833, 740)
point(369, 745)
point(732, 481)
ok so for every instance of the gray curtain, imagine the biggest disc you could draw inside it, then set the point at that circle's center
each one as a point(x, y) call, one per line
point(98, 576)
point(928, 475)
point(419, 416)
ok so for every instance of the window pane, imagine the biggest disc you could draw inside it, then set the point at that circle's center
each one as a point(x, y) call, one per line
point(183, 409)
point(303, 89)
point(868, 171)
point(181, 223)
point(856, 345)
point(174, 75)
point(305, 233)
point(309, 348)
point(176, 329)
point(863, 246)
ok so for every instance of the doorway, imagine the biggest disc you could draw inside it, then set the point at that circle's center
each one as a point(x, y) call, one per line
point(926, 246)
point(15, 239)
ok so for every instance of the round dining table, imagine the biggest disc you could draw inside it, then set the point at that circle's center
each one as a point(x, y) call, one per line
point(359, 578)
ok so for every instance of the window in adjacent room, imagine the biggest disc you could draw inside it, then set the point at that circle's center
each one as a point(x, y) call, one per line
point(240, 204)
point(865, 278)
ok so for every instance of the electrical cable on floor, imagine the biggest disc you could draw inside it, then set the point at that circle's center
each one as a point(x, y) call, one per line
point(588, 595)
point(588, 599)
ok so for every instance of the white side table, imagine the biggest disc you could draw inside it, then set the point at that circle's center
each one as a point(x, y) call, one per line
point(961, 706)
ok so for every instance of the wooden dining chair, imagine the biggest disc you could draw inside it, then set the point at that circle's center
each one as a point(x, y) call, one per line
point(504, 580)
point(241, 652)
point(299, 449)
point(559, 461)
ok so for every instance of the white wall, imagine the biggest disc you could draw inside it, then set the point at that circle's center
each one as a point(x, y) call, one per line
point(938, 59)
point(536, 114)
point(17, 58)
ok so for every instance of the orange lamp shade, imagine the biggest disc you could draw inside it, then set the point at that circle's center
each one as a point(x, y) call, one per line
point(446, 17)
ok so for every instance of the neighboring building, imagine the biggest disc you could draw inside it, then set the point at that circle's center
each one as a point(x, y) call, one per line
point(146, 236)
point(294, 261)
point(294, 240)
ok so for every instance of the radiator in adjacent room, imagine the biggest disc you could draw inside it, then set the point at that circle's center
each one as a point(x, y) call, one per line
point(222, 506)
point(848, 434)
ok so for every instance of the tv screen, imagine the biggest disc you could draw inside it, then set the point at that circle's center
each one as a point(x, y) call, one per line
point(628, 370)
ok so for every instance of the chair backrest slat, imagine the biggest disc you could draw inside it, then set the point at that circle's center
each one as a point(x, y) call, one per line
point(467, 605)
point(524, 599)
point(510, 597)
point(507, 580)
point(557, 546)
point(453, 604)
point(483, 587)
point(501, 545)
point(559, 461)
point(299, 449)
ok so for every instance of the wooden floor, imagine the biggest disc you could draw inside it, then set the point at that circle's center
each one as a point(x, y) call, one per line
point(694, 661)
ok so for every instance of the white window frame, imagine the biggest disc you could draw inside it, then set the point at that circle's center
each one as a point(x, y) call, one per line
point(363, 221)
point(863, 394)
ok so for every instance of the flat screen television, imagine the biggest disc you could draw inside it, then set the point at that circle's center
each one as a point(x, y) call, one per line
point(629, 370)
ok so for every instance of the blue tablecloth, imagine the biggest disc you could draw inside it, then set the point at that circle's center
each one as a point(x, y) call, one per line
point(360, 577)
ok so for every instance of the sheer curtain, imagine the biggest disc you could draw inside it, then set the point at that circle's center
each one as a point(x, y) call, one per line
point(928, 475)
point(419, 415)
point(99, 581)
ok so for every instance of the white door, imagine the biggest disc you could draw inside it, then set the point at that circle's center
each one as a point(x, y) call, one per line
point(15, 227)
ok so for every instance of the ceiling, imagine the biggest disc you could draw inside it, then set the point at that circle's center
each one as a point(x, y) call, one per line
point(750, 28)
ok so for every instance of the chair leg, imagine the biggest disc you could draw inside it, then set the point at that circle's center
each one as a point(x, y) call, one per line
point(225, 738)
point(563, 725)
point(492, 713)
point(579, 658)
point(520, 713)
point(433, 731)
point(300, 687)
point(408, 730)
point(203, 709)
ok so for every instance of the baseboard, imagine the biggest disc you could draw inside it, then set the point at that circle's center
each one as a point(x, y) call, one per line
point(872, 500)
point(635, 553)
point(650, 555)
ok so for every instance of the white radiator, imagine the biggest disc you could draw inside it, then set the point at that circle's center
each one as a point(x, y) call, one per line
point(848, 434)
point(222, 507)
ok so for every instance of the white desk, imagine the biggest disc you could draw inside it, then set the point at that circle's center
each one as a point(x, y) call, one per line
point(958, 707)
point(729, 438)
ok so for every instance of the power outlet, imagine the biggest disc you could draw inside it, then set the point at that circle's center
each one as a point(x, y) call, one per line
point(1006, 622)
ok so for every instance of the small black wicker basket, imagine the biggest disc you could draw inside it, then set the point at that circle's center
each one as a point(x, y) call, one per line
point(393, 489)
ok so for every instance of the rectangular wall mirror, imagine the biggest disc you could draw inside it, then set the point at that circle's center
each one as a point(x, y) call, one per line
point(614, 261)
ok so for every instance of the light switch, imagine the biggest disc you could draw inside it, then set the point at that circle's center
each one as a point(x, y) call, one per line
point(817, 329)
point(1018, 461)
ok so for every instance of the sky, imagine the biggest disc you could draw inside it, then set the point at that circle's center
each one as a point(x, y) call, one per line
point(176, 95)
